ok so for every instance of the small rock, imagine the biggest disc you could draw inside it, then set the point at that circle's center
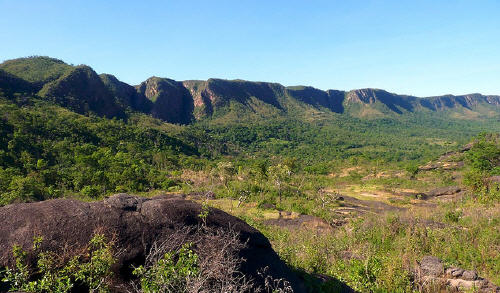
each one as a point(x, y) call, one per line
point(483, 284)
point(469, 275)
point(463, 284)
point(466, 147)
point(494, 179)
point(210, 195)
point(125, 202)
point(267, 206)
point(431, 266)
point(454, 272)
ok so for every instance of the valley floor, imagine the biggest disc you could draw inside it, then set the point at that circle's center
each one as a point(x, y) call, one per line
point(371, 230)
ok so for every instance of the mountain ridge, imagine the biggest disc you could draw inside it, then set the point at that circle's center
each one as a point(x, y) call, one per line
point(184, 102)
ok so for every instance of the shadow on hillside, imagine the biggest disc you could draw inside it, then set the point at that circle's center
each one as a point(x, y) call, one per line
point(322, 283)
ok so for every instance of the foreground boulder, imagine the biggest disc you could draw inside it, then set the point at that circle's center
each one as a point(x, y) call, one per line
point(134, 224)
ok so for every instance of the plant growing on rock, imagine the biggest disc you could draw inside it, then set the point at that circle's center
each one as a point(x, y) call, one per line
point(194, 260)
point(204, 213)
point(90, 270)
point(171, 273)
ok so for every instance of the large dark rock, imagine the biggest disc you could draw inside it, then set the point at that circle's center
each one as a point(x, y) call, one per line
point(431, 266)
point(135, 223)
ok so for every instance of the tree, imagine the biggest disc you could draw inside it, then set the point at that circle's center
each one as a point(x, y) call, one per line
point(280, 175)
point(225, 171)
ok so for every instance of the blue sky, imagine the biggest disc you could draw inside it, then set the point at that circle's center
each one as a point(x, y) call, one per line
point(410, 47)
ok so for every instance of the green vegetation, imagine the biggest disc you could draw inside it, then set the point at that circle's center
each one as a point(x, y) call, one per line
point(53, 273)
point(484, 164)
point(38, 70)
point(416, 137)
point(169, 274)
point(279, 161)
point(378, 254)
point(47, 151)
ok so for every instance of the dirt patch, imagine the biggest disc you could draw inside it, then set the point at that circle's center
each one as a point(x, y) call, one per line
point(345, 172)
point(385, 174)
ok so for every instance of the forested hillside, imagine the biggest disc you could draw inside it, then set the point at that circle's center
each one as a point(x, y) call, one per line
point(67, 129)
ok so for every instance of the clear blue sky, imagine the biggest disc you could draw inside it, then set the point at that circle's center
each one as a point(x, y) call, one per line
point(410, 47)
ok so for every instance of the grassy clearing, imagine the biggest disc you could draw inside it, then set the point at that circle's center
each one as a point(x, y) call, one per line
point(372, 252)
point(378, 254)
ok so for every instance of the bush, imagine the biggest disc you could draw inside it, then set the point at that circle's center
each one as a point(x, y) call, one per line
point(171, 273)
point(91, 191)
point(24, 188)
point(90, 270)
point(453, 216)
point(192, 259)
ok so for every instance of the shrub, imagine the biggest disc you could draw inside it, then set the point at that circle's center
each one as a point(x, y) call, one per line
point(91, 191)
point(171, 273)
point(90, 270)
point(193, 259)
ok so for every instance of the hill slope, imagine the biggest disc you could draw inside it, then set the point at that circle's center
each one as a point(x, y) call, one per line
point(80, 89)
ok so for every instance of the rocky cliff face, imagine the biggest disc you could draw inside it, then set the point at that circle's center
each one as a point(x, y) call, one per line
point(411, 103)
point(466, 101)
point(331, 99)
point(395, 103)
point(217, 93)
point(171, 101)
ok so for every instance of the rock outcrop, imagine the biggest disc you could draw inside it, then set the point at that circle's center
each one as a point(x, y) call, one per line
point(447, 190)
point(171, 101)
point(433, 275)
point(213, 94)
point(134, 223)
point(331, 99)
point(437, 192)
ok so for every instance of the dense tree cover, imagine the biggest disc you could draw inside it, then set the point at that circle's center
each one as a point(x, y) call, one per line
point(37, 70)
point(418, 137)
point(46, 151)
